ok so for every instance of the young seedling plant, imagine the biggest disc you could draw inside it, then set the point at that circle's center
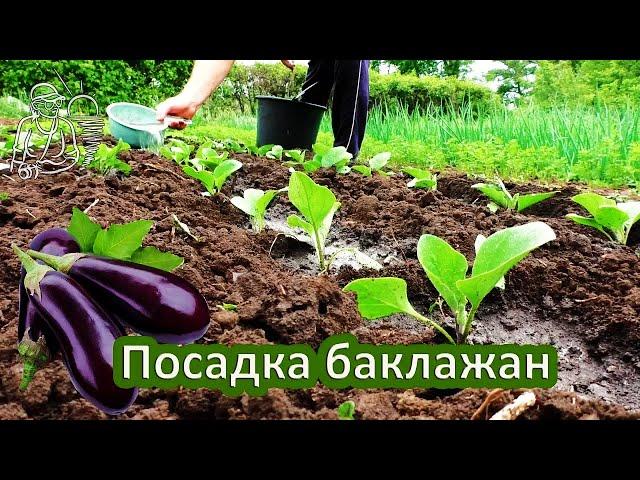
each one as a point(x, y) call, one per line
point(207, 157)
point(612, 219)
point(376, 164)
point(317, 205)
point(346, 410)
point(106, 159)
point(214, 180)
point(325, 157)
point(421, 178)
point(178, 151)
point(296, 156)
point(501, 198)
point(254, 202)
point(447, 268)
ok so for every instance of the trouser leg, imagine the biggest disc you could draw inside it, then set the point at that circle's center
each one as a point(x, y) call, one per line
point(320, 74)
point(350, 103)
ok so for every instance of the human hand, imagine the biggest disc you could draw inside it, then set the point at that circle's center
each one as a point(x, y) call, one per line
point(182, 105)
point(289, 64)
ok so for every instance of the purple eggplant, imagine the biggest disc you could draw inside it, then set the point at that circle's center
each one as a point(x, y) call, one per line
point(149, 300)
point(84, 331)
point(55, 241)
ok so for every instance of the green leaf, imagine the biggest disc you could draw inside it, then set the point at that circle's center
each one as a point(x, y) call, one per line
point(294, 221)
point(320, 149)
point(311, 165)
point(315, 202)
point(498, 254)
point(153, 257)
point(335, 156)
point(528, 200)
point(592, 202)
point(247, 203)
point(632, 209)
point(494, 193)
point(222, 172)
point(121, 241)
point(263, 202)
point(297, 155)
point(480, 239)
point(83, 229)
point(262, 151)
point(444, 267)
point(380, 160)
point(363, 169)
point(346, 410)
point(614, 219)
point(229, 307)
point(588, 221)
point(275, 153)
point(254, 203)
point(417, 172)
point(380, 297)
point(426, 183)
point(208, 179)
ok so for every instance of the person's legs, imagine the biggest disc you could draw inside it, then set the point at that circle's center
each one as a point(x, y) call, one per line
point(319, 81)
point(350, 102)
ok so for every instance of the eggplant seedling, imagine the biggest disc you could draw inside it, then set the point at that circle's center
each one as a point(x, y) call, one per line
point(346, 410)
point(325, 157)
point(317, 204)
point(4, 196)
point(254, 202)
point(376, 164)
point(613, 219)
point(207, 157)
point(178, 151)
point(106, 159)
point(296, 156)
point(447, 268)
point(421, 178)
point(501, 198)
point(214, 180)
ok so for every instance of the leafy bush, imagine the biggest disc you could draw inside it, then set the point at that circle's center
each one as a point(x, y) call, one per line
point(108, 81)
point(443, 93)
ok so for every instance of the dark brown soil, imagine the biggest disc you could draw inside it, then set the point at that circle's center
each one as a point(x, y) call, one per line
point(581, 292)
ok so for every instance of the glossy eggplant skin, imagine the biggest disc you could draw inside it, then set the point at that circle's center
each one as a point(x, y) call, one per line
point(150, 301)
point(55, 241)
point(85, 334)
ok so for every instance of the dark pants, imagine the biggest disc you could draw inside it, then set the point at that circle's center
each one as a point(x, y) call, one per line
point(349, 80)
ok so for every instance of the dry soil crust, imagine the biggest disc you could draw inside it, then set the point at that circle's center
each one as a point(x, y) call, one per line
point(581, 293)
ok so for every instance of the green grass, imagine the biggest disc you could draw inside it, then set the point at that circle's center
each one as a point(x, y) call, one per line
point(599, 146)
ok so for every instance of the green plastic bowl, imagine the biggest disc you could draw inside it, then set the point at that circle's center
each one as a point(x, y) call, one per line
point(124, 124)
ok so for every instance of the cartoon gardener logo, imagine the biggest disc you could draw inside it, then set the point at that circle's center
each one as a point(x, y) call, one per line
point(46, 141)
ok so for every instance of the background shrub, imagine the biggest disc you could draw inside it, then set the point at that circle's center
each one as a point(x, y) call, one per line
point(150, 81)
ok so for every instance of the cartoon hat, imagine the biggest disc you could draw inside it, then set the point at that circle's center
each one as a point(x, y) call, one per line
point(46, 92)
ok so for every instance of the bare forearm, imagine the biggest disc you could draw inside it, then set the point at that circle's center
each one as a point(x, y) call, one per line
point(206, 76)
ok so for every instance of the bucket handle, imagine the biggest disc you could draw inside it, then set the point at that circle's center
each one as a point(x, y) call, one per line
point(297, 97)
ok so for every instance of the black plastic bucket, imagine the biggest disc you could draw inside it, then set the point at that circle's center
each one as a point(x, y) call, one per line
point(290, 123)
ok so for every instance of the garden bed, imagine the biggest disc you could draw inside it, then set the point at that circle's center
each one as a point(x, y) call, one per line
point(580, 292)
